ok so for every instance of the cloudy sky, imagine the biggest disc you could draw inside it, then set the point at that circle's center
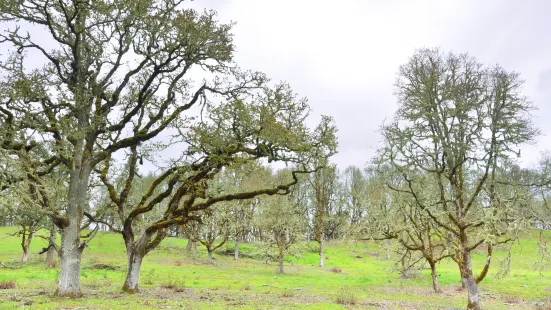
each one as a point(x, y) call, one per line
point(343, 55)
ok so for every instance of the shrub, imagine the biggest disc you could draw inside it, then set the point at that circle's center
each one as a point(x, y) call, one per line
point(288, 293)
point(346, 298)
point(149, 277)
point(336, 270)
point(7, 284)
point(177, 286)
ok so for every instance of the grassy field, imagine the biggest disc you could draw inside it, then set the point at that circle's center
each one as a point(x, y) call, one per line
point(356, 275)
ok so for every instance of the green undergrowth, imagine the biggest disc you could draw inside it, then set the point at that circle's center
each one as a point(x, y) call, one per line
point(356, 275)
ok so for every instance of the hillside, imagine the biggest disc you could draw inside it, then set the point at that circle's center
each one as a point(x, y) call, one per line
point(355, 276)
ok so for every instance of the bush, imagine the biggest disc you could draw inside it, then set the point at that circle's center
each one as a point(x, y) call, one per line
point(288, 293)
point(346, 298)
point(149, 277)
point(177, 286)
point(336, 270)
point(7, 284)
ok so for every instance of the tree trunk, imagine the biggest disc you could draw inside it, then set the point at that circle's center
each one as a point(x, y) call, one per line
point(461, 273)
point(387, 247)
point(27, 237)
point(236, 250)
point(25, 257)
point(131, 284)
point(435, 284)
point(50, 256)
point(322, 252)
point(210, 256)
point(71, 250)
point(404, 271)
point(71, 256)
point(467, 275)
point(189, 244)
point(194, 249)
point(281, 255)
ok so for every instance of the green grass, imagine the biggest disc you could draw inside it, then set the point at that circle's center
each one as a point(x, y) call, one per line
point(366, 278)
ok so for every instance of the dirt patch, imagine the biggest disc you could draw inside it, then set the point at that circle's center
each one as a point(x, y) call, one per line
point(104, 267)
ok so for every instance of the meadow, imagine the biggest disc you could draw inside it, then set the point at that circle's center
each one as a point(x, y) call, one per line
point(356, 276)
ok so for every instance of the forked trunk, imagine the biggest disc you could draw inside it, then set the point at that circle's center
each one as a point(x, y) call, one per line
point(322, 253)
point(236, 250)
point(27, 237)
point(467, 275)
point(25, 257)
point(132, 282)
point(435, 284)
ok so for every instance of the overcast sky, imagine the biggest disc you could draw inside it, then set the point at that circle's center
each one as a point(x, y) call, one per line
point(343, 55)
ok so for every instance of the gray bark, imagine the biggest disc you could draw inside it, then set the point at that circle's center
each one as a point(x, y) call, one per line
point(472, 287)
point(132, 282)
point(281, 259)
point(71, 256)
point(210, 256)
point(26, 243)
point(50, 256)
point(71, 250)
point(194, 249)
point(387, 247)
point(322, 252)
point(236, 250)
point(467, 275)
point(25, 257)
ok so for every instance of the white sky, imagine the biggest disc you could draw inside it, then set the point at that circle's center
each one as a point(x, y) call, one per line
point(343, 55)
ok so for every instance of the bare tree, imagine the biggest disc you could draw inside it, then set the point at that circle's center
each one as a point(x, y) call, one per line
point(457, 118)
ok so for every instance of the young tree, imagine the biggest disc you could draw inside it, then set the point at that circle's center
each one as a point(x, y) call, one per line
point(245, 177)
point(283, 222)
point(394, 215)
point(32, 201)
point(354, 194)
point(323, 185)
point(215, 228)
point(456, 119)
point(29, 220)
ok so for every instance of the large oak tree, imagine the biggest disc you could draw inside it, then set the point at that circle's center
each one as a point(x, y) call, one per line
point(458, 121)
point(114, 75)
